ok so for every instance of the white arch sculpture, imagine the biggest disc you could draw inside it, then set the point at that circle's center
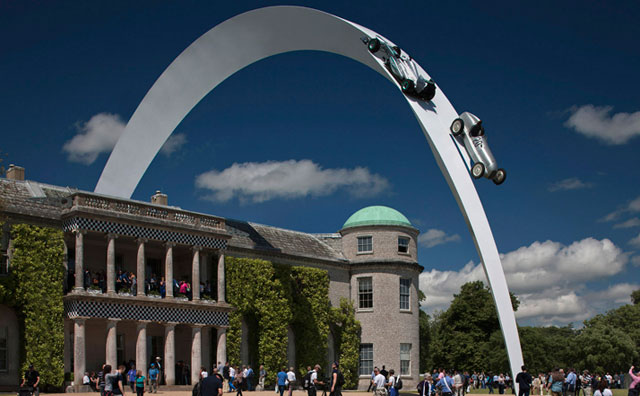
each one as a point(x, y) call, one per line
point(258, 34)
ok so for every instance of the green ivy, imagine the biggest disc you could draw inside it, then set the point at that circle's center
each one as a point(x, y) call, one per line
point(271, 297)
point(347, 341)
point(38, 271)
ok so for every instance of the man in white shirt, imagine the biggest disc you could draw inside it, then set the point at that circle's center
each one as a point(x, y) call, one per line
point(291, 377)
point(379, 381)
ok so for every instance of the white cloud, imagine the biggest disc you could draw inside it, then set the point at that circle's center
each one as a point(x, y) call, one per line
point(631, 207)
point(572, 183)
point(548, 278)
point(434, 237)
point(619, 294)
point(597, 122)
point(258, 182)
point(634, 222)
point(173, 144)
point(635, 241)
point(96, 136)
point(635, 260)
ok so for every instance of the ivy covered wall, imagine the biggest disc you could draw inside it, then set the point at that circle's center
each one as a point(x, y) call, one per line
point(271, 297)
point(34, 288)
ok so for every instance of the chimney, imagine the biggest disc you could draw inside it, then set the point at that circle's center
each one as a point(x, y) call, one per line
point(159, 198)
point(15, 172)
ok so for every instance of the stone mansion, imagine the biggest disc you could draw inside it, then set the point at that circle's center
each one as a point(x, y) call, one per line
point(372, 260)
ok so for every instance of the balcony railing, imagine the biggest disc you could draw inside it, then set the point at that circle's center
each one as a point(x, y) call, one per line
point(151, 211)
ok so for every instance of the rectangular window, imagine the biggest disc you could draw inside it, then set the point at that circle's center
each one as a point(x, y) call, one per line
point(3, 348)
point(365, 244)
point(405, 293)
point(405, 359)
point(366, 359)
point(403, 245)
point(365, 293)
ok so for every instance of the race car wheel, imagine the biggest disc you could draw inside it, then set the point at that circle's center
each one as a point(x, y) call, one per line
point(457, 127)
point(500, 176)
point(408, 87)
point(429, 91)
point(374, 45)
point(397, 50)
point(478, 170)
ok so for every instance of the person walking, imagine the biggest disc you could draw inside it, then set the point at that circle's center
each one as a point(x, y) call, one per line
point(373, 374)
point(139, 383)
point(32, 379)
point(291, 378)
point(153, 378)
point(232, 378)
point(556, 382)
point(212, 385)
point(337, 380)
point(282, 381)
point(240, 381)
point(445, 384)
point(425, 386)
point(262, 375)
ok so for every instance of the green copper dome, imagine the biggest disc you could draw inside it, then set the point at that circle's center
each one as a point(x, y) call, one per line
point(377, 215)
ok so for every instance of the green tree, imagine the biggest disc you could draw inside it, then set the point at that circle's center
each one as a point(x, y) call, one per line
point(347, 341)
point(463, 330)
point(635, 297)
point(625, 318)
point(602, 347)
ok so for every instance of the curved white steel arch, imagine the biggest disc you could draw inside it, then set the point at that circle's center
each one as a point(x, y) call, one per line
point(258, 34)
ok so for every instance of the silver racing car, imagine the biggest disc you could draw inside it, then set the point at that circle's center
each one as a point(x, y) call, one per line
point(469, 132)
point(403, 69)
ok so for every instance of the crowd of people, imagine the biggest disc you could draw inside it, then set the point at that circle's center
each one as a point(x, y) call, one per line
point(554, 383)
point(127, 282)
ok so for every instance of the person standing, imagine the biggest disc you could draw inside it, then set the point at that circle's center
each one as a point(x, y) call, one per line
point(524, 381)
point(445, 384)
point(556, 382)
point(263, 375)
point(32, 379)
point(282, 381)
point(131, 378)
point(337, 380)
point(393, 391)
point(371, 384)
point(232, 378)
point(225, 375)
point(384, 372)
point(634, 386)
point(249, 378)
point(457, 383)
point(501, 384)
point(160, 371)
point(240, 381)
point(139, 383)
point(424, 387)
point(379, 381)
point(153, 378)
point(571, 381)
point(291, 378)
point(311, 386)
point(115, 381)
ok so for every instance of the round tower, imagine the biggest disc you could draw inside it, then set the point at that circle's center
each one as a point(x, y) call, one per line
point(381, 245)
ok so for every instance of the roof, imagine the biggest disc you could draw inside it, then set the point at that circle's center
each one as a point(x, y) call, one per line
point(44, 203)
point(377, 215)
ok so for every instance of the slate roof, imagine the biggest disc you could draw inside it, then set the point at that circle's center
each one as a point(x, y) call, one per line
point(43, 201)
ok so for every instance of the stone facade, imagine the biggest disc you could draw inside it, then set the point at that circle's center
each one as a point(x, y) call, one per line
point(108, 235)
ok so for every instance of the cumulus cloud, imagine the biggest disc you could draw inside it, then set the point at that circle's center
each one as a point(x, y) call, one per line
point(598, 122)
point(262, 181)
point(546, 276)
point(96, 136)
point(435, 237)
point(634, 222)
point(631, 207)
point(173, 144)
point(572, 183)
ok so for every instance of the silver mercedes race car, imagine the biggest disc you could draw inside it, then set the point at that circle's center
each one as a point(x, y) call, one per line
point(403, 69)
point(469, 132)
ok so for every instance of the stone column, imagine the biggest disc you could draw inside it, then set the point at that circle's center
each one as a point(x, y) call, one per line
point(221, 352)
point(111, 344)
point(221, 281)
point(79, 362)
point(196, 352)
point(195, 274)
point(170, 353)
point(111, 263)
point(168, 269)
point(140, 267)
point(79, 261)
point(141, 348)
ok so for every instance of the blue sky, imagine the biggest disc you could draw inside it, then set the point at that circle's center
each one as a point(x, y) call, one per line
point(554, 84)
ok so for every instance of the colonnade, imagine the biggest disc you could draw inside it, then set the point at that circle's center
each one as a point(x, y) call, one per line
point(142, 354)
point(141, 267)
